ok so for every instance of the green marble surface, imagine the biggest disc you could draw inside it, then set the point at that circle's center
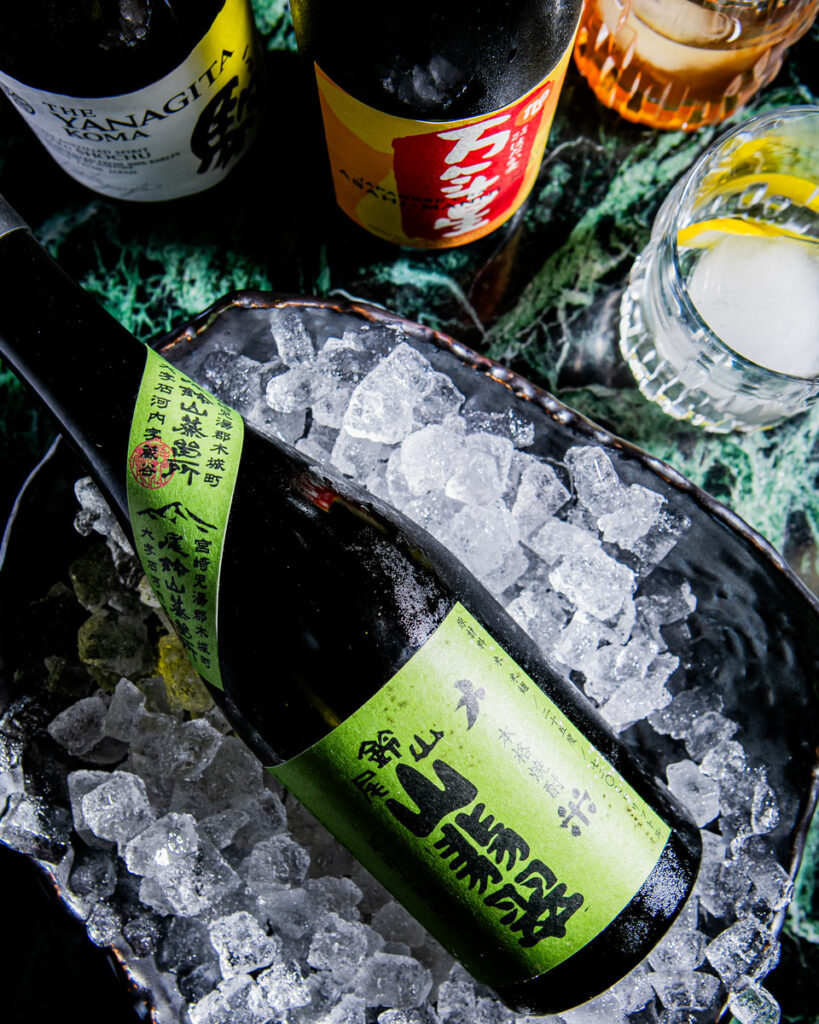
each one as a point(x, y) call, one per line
point(542, 298)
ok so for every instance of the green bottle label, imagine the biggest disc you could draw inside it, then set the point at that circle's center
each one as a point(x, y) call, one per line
point(184, 453)
point(476, 801)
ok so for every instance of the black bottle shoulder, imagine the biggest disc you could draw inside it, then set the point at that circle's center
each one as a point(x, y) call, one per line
point(436, 61)
point(91, 48)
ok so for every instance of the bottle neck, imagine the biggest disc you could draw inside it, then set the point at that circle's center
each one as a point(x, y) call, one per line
point(83, 365)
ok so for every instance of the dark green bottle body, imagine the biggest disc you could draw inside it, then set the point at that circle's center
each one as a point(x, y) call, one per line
point(325, 594)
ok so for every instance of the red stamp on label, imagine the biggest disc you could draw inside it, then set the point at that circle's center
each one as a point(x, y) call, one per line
point(151, 464)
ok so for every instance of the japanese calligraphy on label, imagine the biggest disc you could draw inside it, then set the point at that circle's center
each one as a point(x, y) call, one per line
point(179, 135)
point(471, 796)
point(435, 184)
point(184, 453)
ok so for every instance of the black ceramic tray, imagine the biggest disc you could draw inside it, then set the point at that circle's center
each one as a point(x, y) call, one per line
point(753, 638)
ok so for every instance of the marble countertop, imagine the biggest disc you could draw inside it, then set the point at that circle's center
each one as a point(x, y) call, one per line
point(541, 297)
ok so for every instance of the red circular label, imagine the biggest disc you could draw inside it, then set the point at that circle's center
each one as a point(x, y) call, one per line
point(151, 463)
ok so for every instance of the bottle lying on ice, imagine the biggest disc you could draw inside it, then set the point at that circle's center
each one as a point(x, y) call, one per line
point(140, 100)
point(366, 667)
point(435, 115)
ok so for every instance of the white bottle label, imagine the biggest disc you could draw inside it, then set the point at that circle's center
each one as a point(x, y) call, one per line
point(179, 135)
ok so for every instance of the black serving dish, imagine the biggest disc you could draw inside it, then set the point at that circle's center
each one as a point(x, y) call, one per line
point(753, 637)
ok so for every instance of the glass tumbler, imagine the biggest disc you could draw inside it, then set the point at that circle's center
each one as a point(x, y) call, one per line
point(685, 63)
point(720, 320)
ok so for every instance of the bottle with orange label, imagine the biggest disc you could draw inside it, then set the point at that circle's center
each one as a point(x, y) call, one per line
point(435, 115)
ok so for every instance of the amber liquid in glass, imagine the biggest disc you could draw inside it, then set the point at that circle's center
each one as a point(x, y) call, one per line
point(684, 63)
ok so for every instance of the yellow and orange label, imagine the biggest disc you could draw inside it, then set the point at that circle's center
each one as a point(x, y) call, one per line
point(436, 184)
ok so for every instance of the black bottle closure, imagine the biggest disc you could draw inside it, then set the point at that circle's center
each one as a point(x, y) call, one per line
point(338, 621)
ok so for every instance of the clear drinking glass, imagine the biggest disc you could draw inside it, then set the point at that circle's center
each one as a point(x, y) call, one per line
point(685, 63)
point(720, 320)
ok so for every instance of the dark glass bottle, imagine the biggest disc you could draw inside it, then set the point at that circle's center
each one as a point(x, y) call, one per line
point(435, 115)
point(137, 99)
point(332, 607)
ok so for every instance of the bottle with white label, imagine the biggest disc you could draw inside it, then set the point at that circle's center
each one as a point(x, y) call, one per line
point(436, 115)
point(136, 99)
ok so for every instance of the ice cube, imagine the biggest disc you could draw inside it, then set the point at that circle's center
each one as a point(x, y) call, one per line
point(681, 948)
point(234, 769)
point(267, 817)
point(732, 285)
point(244, 1000)
point(232, 377)
point(143, 934)
point(595, 479)
point(291, 911)
point(210, 1009)
point(220, 828)
point(695, 790)
point(638, 697)
point(556, 539)
point(338, 946)
point(241, 944)
point(605, 1009)
point(35, 827)
point(80, 726)
point(118, 808)
point(186, 944)
point(542, 613)
point(630, 521)
point(771, 881)
point(635, 990)
point(482, 536)
point(291, 391)
point(681, 989)
point(481, 469)
point(513, 566)
point(764, 808)
point(276, 863)
point(539, 496)
point(456, 998)
point(577, 642)
point(169, 843)
point(357, 456)
point(677, 718)
point(388, 403)
point(103, 924)
point(292, 338)
point(754, 1005)
point(124, 712)
point(339, 894)
point(508, 424)
point(284, 988)
point(746, 947)
point(390, 980)
point(93, 874)
point(330, 405)
point(194, 746)
point(593, 581)
point(429, 457)
point(654, 545)
point(707, 732)
point(193, 888)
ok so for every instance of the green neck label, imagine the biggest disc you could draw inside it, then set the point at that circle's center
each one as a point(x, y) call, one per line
point(470, 795)
point(184, 452)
